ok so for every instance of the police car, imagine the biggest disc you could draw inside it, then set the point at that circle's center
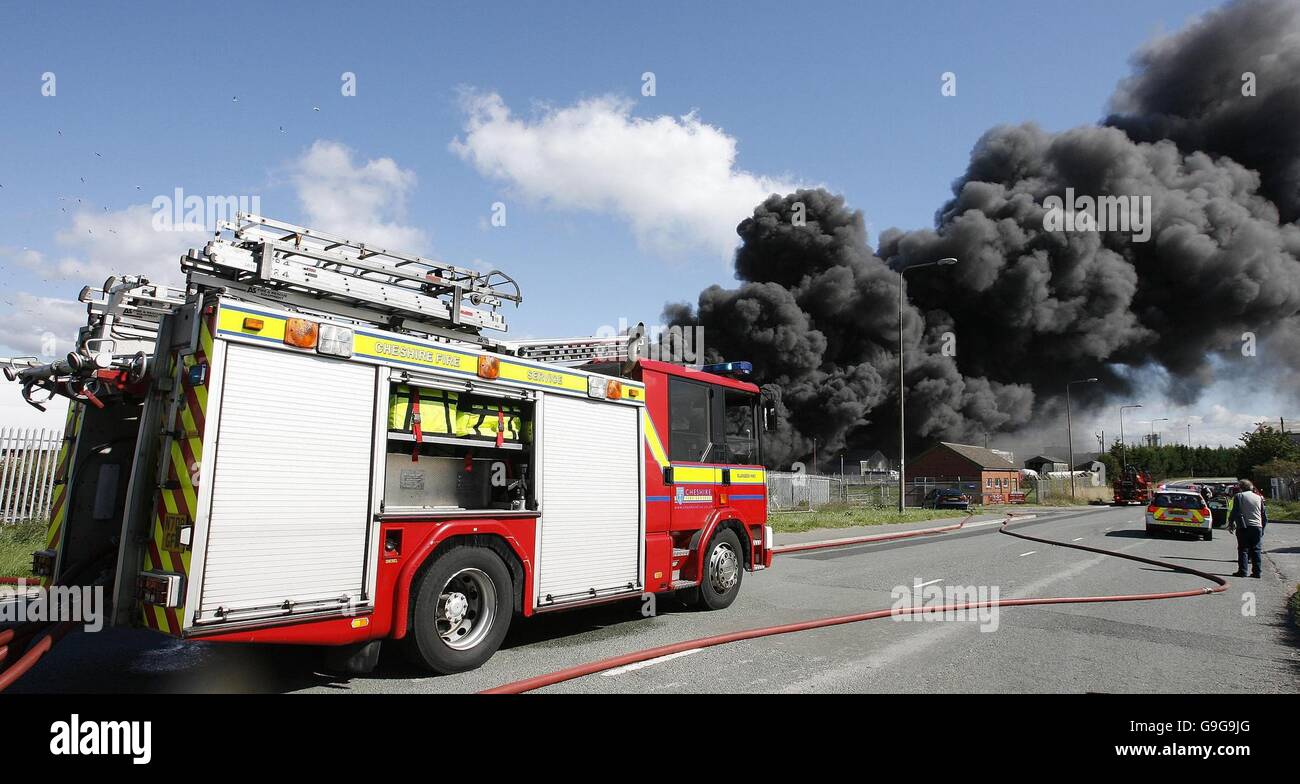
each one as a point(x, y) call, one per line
point(1174, 509)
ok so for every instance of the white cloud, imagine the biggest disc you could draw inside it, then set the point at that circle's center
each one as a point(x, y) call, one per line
point(674, 179)
point(39, 326)
point(363, 202)
point(98, 245)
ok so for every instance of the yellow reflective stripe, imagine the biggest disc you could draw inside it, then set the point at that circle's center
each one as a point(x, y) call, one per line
point(696, 475)
point(543, 376)
point(748, 476)
point(652, 441)
point(232, 320)
point(407, 352)
point(205, 339)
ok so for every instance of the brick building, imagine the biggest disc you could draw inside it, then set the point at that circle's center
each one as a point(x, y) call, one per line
point(997, 477)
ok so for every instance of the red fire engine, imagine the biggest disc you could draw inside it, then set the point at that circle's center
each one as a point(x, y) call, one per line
point(314, 443)
point(1133, 486)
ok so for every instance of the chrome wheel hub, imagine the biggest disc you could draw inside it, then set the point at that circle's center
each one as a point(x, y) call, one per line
point(466, 609)
point(724, 568)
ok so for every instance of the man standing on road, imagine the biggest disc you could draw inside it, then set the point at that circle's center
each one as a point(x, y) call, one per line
point(1248, 519)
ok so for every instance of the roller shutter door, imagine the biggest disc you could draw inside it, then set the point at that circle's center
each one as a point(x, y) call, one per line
point(291, 484)
point(592, 500)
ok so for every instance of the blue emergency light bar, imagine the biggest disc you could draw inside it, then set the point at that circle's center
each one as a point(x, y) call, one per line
point(730, 368)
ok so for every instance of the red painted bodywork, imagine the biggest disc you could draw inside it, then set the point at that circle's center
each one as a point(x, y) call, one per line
point(668, 526)
point(682, 521)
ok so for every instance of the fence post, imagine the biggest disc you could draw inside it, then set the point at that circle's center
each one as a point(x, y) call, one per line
point(43, 474)
point(11, 473)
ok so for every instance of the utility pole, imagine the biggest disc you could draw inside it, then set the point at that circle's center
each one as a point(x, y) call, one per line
point(1069, 430)
point(1191, 459)
point(1123, 447)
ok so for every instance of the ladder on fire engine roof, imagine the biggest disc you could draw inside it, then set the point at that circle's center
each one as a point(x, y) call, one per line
point(280, 263)
point(572, 351)
point(583, 350)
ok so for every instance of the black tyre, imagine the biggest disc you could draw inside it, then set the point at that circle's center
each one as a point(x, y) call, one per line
point(724, 563)
point(460, 611)
point(1151, 531)
point(1208, 535)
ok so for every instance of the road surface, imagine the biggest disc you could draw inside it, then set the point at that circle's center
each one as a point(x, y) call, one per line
point(1236, 641)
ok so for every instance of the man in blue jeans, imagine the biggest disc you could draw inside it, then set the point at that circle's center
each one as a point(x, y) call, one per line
point(1248, 519)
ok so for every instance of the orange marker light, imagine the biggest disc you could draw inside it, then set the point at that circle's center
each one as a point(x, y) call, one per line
point(613, 390)
point(489, 367)
point(253, 324)
point(301, 333)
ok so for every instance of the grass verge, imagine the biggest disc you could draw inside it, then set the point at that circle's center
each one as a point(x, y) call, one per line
point(849, 517)
point(17, 543)
point(1283, 510)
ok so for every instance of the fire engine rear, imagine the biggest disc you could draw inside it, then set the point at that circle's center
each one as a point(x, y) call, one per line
point(314, 443)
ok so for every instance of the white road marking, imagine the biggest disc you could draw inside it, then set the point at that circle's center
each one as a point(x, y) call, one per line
point(1076, 539)
point(922, 585)
point(1022, 555)
point(648, 663)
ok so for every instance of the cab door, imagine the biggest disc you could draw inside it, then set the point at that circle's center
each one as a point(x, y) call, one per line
point(713, 449)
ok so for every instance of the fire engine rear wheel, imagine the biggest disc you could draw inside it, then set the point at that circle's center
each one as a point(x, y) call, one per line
point(461, 610)
point(723, 567)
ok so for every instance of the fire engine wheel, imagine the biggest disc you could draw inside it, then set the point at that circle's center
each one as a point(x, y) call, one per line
point(462, 610)
point(723, 567)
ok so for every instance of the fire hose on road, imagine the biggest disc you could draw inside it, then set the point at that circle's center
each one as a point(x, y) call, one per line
point(590, 668)
point(18, 639)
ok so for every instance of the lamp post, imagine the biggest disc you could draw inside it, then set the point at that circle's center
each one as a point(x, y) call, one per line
point(902, 437)
point(1191, 462)
point(1123, 447)
point(1069, 427)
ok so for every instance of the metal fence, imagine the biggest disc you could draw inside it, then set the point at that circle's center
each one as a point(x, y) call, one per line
point(27, 466)
point(787, 491)
point(792, 491)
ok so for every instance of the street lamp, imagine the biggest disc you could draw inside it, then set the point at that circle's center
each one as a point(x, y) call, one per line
point(1191, 459)
point(945, 262)
point(1123, 447)
point(1069, 428)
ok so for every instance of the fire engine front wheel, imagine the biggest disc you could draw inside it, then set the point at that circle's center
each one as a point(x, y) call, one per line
point(723, 567)
point(461, 610)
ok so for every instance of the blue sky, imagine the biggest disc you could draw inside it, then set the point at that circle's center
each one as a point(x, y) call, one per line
point(845, 95)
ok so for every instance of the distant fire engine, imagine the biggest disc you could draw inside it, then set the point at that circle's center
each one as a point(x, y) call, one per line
point(1132, 486)
point(313, 443)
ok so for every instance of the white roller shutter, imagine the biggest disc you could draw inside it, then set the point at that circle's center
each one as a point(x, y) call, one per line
point(592, 499)
point(291, 484)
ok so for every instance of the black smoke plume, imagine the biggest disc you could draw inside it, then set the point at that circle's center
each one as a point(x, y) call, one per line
point(1031, 306)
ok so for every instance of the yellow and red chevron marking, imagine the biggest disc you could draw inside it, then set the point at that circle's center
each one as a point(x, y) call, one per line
point(1178, 515)
point(58, 503)
point(177, 502)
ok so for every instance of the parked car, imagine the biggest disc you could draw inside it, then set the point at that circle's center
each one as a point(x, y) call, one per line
point(944, 498)
point(1179, 510)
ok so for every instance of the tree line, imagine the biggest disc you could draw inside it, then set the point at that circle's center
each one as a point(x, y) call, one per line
point(1262, 454)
